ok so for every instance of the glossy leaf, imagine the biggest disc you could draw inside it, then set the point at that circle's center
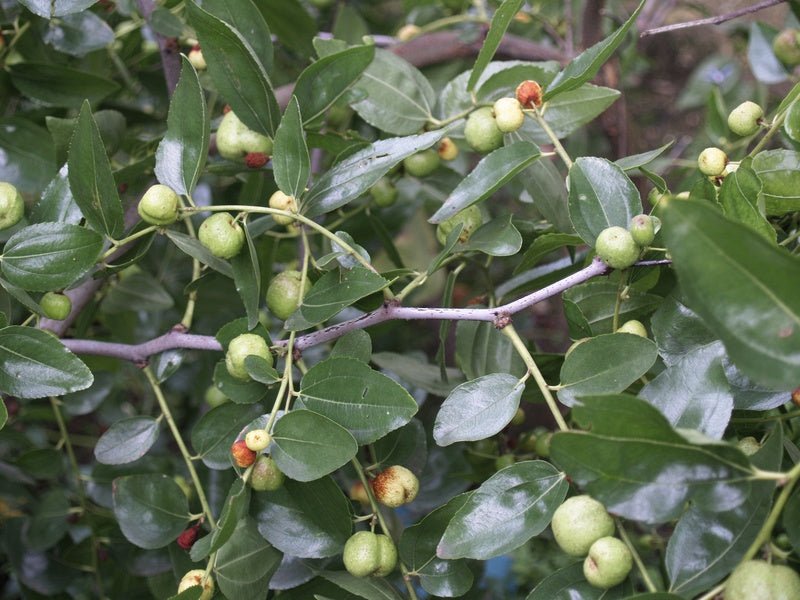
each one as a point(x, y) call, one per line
point(195, 249)
point(78, 33)
point(57, 85)
point(363, 587)
point(765, 66)
point(597, 301)
point(677, 331)
point(629, 458)
point(569, 583)
point(181, 155)
point(743, 288)
point(49, 520)
point(500, 21)
point(246, 563)
point(90, 177)
point(29, 157)
point(126, 440)
point(605, 364)
point(216, 431)
point(57, 204)
point(418, 373)
point(247, 277)
point(353, 344)
point(309, 520)
point(498, 237)
point(151, 509)
point(290, 162)
point(635, 161)
point(50, 256)
point(508, 509)
point(545, 186)
point(56, 8)
point(355, 174)
point(308, 446)
point(366, 403)
point(239, 391)
point(3, 414)
point(481, 350)
point(490, 174)
point(237, 73)
point(234, 510)
point(748, 395)
point(290, 22)
point(407, 446)
point(477, 409)
point(792, 123)
point(34, 364)
point(600, 195)
point(586, 65)
point(137, 291)
point(739, 197)
point(246, 19)
point(779, 172)
point(544, 245)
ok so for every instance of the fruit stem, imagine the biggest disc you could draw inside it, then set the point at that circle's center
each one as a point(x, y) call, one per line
point(636, 558)
point(188, 313)
point(776, 125)
point(713, 593)
point(176, 434)
point(444, 122)
point(115, 244)
point(617, 305)
point(527, 358)
point(537, 116)
point(287, 374)
point(454, 20)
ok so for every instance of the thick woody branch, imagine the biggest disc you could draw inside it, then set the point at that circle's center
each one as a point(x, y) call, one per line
point(713, 20)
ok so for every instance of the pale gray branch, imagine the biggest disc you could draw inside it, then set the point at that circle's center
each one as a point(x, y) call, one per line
point(713, 20)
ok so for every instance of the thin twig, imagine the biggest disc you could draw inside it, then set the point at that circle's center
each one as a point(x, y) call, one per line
point(713, 20)
point(167, 47)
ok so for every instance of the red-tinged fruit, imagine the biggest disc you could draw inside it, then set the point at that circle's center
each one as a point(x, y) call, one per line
point(529, 94)
point(188, 537)
point(255, 160)
point(242, 455)
point(395, 486)
point(197, 577)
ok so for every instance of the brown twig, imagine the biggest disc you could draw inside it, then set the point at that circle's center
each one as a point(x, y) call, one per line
point(167, 47)
point(713, 20)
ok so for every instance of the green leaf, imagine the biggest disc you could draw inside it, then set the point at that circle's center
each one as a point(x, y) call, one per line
point(743, 287)
point(246, 563)
point(417, 548)
point(50, 256)
point(56, 8)
point(290, 162)
point(600, 196)
point(779, 171)
point(324, 82)
point(407, 446)
point(308, 446)
point(79, 33)
point(353, 344)
point(596, 301)
point(29, 156)
point(355, 174)
point(308, 520)
point(90, 177)
point(34, 364)
point(498, 237)
point(236, 71)
point(586, 65)
point(126, 440)
point(478, 409)
point(605, 364)
point(678, 331)
point(500, 21)
point(332, 292)
point(481, 350)
point(366, 403)
point(418, 372)
point(792, 123)
point(49, 520)
point(239, 391)
point(635, 161)
point(233, 511)
point(290, 22)
point(247, 277)
point(739, 197)
point(363, 587)
point(764, 65)
point(545, 185)
point(570, 583)
point(490, 174)
point(216, 431)
point(58, 85)
point(246, 19)
point(630, 459)
point(137, 291)
point(20, 296)
point(56, 204)
point(546, 244)
point(399, 99)
point(3, 414)
point(182, 153)
point(508, 509)
point(151, 509)
point(195, 249)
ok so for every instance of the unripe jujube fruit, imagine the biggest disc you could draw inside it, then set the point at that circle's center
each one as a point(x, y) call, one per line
point(748, 445)
point(242, 455)
point(159, 205)
point(470, 218)
point(422, 163)
point(235, 140)
point(383, 192)
point(12, 206)
point(608, 563)
point(579, 522)
point(712, 162)
point(266, 476)
point(257, 439)
point(529, 94)
point(447, 149)
point(221, 235)
point(543, 441)
point(408, 32)
point(242, 346)
point(508, 114)
point(55, 306)
point(633, 326)
point(369, 554)
point(751, 580)
point(197, 59)
point(617, 248)
point(197, 577)
point(481, 131)
point(643, 229)
point(743, 120)
point(281, 201)
point(283, 293)
point(395, 486)
point(215, 397)
point(358, 493)
point(785, 583)
point(786, 47)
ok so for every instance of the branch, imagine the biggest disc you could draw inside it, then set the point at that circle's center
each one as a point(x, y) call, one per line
point(713, 20)
point(167, 47)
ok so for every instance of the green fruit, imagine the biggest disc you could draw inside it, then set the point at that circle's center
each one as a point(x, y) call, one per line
point(281, 201)
point(643, 230)
point(422, 163)
point(518, 418)
point(55, 306)
point(617, 248)
point(235, 140)
point(508, 114)
point(751, 580)
point(197, 577)
point(470, 218)
point(283, 293)
point(257, 439)
point(369, 554)
point(527, 442)
point(543, 444)
point(748, 445)
point(395, 486)
point(481, 131)
point(383, 192)
point(786, 47)
point(785, 583)
point(215, 397)
point(503, 461)
point(712, 162)
point(447, 149)
point(633, 326)
point(608, 563)
point(743, 120)
point(221, 235)
point(242, 346)
point(579, 522)
point(266, 476)
point(12, 206)
point(197, 59)
point(159, 205)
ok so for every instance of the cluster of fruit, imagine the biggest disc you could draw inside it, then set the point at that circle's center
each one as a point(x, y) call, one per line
point(746, 119)
point(620, 248)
